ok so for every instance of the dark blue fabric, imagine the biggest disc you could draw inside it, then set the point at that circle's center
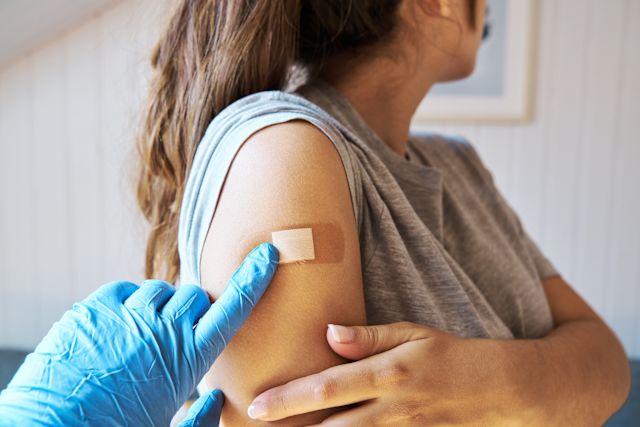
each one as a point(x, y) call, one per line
point(629, 414)
point(9, 362)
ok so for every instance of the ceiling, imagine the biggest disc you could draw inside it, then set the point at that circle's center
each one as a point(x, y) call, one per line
point(26, 24)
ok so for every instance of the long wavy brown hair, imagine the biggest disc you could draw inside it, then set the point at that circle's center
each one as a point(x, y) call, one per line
point(214, 52)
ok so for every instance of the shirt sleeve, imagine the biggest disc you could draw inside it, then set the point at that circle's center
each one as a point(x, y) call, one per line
point(543, 265)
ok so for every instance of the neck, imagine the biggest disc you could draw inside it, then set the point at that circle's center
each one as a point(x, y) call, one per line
point(385, 106)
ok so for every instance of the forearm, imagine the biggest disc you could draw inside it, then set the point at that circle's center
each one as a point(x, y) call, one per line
point(578, 374)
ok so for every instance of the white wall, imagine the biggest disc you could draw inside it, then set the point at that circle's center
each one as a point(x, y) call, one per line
point(29, 23)
point(68, 221)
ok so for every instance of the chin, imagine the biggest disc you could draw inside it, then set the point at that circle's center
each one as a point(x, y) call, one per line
point(462, 70)
point(470, 68)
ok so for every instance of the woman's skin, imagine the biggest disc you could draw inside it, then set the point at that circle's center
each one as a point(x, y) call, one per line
point(403, 374)
point(409, 374)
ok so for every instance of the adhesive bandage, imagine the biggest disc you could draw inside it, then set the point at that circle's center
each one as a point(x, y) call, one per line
point(294, 245)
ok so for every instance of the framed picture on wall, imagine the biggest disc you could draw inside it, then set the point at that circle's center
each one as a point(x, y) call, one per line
point(499, 89)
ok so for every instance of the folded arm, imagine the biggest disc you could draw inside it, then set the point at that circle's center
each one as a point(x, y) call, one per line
point(588, 370)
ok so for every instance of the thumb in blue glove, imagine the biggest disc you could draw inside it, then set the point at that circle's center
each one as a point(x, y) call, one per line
point(131, 355)
point(205, 412)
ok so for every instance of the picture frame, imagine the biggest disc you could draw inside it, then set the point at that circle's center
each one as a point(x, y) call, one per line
point(499, 89)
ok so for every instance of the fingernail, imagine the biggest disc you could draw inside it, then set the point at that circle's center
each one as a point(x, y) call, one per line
point(341, 334)
point(257, 410)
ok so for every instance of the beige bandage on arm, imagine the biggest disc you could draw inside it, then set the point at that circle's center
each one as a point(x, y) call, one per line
point(294, 245)
point(327, 239)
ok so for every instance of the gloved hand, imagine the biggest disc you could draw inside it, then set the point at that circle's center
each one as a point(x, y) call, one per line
point(131, 355)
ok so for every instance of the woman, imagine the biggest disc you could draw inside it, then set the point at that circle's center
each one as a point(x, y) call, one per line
point(407, 228)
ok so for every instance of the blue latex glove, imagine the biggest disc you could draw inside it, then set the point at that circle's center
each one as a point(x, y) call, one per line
point(131, 355)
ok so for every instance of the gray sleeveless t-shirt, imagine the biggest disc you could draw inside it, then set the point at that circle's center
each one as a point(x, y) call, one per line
point(439, 244)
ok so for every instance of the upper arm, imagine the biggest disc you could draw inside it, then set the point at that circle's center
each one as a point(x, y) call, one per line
point(284, 176)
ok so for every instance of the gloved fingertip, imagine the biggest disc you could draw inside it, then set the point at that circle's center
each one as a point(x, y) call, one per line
point(268, 250)
point(205, 411)
point(254, 274)
point(262, 261)
point(215, 400)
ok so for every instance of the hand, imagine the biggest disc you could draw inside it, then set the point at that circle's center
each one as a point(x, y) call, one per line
point(131, 355)
point(408, 375)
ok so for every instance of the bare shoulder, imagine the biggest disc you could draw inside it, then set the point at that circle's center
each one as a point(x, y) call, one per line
point(284, 175)
point(297, 140)
point(287, 175)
